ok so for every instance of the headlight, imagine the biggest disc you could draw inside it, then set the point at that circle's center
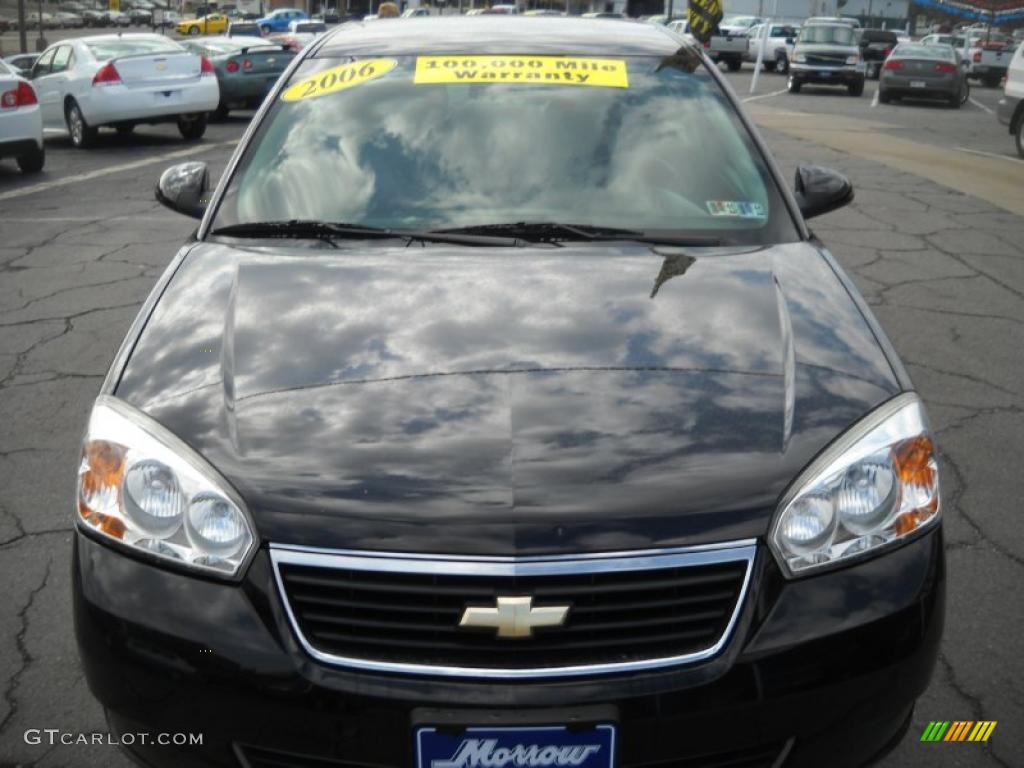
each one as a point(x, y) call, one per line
point(799, 58)
point(140, 485)
point(853, 59)
point(877, 484)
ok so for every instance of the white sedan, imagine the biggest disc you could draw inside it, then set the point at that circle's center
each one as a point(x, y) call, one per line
point(21, 128)
point(122, 81)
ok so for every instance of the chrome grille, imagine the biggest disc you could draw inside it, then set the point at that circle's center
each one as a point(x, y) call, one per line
point(627, 611)
point(825, 60)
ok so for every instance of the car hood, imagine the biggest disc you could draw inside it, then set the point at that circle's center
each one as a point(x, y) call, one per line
point(506, 401)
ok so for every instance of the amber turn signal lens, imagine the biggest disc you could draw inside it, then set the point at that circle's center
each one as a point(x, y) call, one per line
point(99, 486)
point(918, 471)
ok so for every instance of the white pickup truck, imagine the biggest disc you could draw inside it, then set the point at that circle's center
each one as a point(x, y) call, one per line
point(989, 58)
point(729, 45)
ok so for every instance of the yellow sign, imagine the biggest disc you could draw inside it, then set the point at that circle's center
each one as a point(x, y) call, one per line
point(537, 70)
point(338, 79)
point(115, 5)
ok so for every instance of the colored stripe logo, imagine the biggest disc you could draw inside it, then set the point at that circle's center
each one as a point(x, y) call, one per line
point(958, 730)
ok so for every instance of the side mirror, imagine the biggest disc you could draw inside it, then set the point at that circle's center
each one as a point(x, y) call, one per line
point(821, 190)
point(185, 188)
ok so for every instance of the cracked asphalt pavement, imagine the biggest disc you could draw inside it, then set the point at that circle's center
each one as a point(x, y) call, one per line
point(81, 245)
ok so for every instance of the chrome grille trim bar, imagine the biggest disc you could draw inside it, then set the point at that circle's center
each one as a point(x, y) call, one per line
point(461, 565)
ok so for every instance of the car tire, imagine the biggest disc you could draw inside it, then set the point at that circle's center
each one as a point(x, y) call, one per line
point(856, 89)
point(32, 162)
point(125, 130)
point(192, 129)
point(769, 66)
point(794, 85)
point(734, 64)
point(221, 112)
point(781, 65)
point(1020, 137)
point(991, 82)
point(883, 97)
point(265, 29)
point(82, 134)
point(193, 31)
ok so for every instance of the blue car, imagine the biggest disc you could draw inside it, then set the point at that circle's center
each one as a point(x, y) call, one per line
point(279, 20)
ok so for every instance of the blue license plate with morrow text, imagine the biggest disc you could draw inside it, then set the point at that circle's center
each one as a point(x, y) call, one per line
point(551, 746)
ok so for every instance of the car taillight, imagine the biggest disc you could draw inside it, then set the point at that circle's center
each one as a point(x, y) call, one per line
point(206, 67)
point(945, 68)
point(707, 44)
point(887, 52)
point(25, 95)
point(107, 75)
point(231, 66)
point(977, 57)
point(247, 64)
point(893, 64)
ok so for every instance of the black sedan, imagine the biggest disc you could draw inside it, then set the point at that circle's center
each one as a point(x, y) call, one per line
point(918, 71)
point(503, 411)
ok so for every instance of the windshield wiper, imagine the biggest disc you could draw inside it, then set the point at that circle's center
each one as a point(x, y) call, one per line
point(330, 231)
point(553, 231)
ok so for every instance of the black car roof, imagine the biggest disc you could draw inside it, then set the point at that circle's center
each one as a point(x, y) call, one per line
point(499, 34)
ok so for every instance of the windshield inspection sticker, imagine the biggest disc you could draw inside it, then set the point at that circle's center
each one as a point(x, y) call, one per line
point(338, 79)
point(536, 70)
point(734, 208)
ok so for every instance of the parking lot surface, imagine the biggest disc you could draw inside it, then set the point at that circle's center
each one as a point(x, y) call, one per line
point(941, 264)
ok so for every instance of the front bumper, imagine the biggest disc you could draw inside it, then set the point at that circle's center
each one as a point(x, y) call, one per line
point(827, 667)
point(808, 73)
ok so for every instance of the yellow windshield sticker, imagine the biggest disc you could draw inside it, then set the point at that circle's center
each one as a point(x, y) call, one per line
point(338, 79)
point(536, 70)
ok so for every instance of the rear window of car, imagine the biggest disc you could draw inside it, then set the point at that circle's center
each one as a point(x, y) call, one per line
point(916, 51)
point(433, 142)
point(115, 48)
point(828, 34)
point(878, 36)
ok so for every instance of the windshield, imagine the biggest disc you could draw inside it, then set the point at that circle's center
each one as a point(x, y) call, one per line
point(828, 34)
point(912, 51)
point(117, 47)
point(453, 141)
point(738, 21)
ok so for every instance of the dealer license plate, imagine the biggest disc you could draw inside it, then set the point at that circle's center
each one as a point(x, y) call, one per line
point(918, 84)
point(553, 746)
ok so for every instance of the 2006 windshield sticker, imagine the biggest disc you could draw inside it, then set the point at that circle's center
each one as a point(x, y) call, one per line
point(338, 79)
point(536, 70)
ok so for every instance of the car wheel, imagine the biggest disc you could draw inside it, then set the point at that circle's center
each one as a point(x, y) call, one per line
point(793, 85)
point(32, 162)
point(192, 129)
point(82, 134)
point(781, 65)
point(855, 89)
point(265, 29)
point(125, 130)
point(883, 97)
point(769, 66)
point(965, 92)
point(1020, 137)
point(193, 31)
point(734, 65)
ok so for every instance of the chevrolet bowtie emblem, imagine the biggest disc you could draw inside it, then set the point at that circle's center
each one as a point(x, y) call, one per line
point(514, 616)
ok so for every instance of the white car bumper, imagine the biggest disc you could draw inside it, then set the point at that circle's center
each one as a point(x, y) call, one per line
point(119, 103)
point(19, 129)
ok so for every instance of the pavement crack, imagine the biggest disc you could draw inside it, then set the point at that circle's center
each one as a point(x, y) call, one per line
point(26, 657)
point(976, 704)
